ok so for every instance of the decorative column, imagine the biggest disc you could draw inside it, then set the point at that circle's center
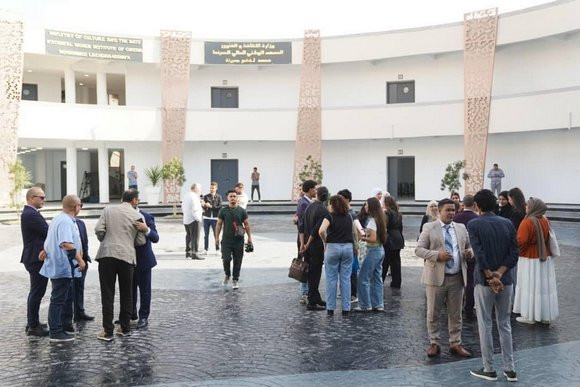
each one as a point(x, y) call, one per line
point(480, 33)
point(308, 131)
point(11, 33)
point(71, 170)
point(175, 64)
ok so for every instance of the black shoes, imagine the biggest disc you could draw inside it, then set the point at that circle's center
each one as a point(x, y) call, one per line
point(142, 323)
point(84, 317)
point(480, 373)
point(315, 307)
point(330, 312)
point(511, 376)
point(195, 256)
point(39, 330)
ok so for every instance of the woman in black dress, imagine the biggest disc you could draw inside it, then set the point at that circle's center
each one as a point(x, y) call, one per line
point(395, 242)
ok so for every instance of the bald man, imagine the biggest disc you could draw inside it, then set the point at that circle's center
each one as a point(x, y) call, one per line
point(34, 229)
point(64, 261)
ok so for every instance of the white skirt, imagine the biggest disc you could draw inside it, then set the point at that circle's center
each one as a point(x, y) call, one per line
point(536, 293)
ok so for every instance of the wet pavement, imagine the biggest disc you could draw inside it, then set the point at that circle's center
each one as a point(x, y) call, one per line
point(202, 333)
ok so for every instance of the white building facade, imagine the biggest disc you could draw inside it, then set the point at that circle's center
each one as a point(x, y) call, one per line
point(102, 116)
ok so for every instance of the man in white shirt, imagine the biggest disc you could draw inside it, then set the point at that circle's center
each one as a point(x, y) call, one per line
point(242, 197)
point(192, 216)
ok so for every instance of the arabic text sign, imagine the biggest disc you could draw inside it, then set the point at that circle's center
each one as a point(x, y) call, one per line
point(256, 53)
point(93, 46)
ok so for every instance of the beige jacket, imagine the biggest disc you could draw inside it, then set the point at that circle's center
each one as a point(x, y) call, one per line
point(117, 234)
point(430, 243)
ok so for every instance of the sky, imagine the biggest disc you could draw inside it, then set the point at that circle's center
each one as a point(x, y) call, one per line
point(249, 19)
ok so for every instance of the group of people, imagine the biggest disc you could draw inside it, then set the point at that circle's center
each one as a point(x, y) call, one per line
point(483, 253)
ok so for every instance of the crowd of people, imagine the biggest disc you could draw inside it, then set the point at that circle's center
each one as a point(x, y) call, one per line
point(481, 254)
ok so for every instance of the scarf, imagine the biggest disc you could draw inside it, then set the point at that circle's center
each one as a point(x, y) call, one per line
point(536, 209)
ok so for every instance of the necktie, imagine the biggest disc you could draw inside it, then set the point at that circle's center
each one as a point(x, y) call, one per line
point(448, 245)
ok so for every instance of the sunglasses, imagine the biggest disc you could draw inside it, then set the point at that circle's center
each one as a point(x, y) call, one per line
point(41, 197)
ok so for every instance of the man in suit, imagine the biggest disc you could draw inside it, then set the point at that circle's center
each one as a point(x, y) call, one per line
point(496, 252)
point(79, 282)
point(118, 230)
point(465, 217)
point(34, 229)
point(142, 275)
point(444, 246)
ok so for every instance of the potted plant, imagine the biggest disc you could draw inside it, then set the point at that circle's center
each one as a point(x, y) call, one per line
point(20, 183)
point(173, 178)
point(153, 192)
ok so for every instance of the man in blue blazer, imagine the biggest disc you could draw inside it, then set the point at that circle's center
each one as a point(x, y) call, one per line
point(79, 282)
point(34, 229)
point(142, 274)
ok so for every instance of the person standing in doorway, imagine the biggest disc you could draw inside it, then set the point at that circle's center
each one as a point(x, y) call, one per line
point(256, 184)
point(212, 203)
point(132, 177)
point(233, 219)
point(496, 174)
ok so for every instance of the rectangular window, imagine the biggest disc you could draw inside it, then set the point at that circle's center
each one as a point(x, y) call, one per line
point(29, 92)
point(401, 92)
point(224, 97)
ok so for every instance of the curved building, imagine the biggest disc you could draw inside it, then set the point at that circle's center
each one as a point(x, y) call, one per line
point(390, 108)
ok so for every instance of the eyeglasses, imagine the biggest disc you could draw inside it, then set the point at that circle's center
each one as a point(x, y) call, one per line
point(41, 197)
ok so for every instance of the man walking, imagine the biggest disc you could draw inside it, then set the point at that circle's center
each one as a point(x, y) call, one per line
point(118, 231)
point(63, 248)
point(233, 219)
point(192, 215)
point(496, 174)
point(79, 282)
point(308, 195)
point(313, 249)
point(444, 246)
point(496, 251)
point(256, 184)
point(142, 274)
point(212, 203)
point(34, 229)
point(465, 217)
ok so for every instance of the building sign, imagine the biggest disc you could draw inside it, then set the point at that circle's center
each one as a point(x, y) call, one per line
point(93, 46)
point(256, 53)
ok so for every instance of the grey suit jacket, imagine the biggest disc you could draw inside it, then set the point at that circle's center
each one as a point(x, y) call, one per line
point(430, 243)
point(117, 234)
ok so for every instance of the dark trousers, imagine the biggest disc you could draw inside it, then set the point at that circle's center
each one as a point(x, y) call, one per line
point(37, 290)
point(207, 224)
point(192, 237)
point(256, 188)
point(315, 258)
point(142, 281)
point(79, 295)
point(469, 288)
point(60, 310)
point(109, 269)
point(392, 260)
point(235, 251)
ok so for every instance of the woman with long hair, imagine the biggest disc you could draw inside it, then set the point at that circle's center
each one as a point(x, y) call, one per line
point(336, 231)
point(518, 202)
point(395, 242)
point(504, 206)
point(431, 214)
point(370, 282)
point(536, 293)
point(457, 200)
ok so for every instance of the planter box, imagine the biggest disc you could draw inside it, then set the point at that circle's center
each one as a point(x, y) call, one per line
point(153, 195)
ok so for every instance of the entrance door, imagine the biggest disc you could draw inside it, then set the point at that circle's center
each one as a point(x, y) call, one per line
point(62, 179)
point(116, 173)
point(401, 177)
point(225, 173)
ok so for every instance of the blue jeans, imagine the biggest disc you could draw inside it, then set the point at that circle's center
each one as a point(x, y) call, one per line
point(338, 261)
point(370, 283)
point(207, 224)
point(60, 310)
point(303, 288)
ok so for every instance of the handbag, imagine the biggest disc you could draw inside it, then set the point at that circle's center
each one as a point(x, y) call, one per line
point(298, 270)
point(553, 242)
point(362, 250)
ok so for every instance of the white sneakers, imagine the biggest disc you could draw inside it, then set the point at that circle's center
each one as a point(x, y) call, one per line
point(524, 321)
point(235, 284)
point(226, 280)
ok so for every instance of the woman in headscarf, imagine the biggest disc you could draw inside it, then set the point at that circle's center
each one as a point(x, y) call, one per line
point(536, 293)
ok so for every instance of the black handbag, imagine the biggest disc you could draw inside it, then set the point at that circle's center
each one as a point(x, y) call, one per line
point(298, 270)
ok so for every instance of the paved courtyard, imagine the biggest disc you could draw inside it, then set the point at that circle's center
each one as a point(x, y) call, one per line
point(201, 333)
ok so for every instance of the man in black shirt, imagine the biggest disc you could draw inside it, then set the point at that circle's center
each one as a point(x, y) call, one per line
point(313, 249)
point(212, 202)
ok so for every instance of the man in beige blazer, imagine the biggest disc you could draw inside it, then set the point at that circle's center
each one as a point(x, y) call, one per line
point(444, 245)
point(119, 229)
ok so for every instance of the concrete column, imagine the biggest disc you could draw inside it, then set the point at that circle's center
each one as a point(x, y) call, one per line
point(71, 170)
point(103, 173)
point(102, 97)
point(70, 90)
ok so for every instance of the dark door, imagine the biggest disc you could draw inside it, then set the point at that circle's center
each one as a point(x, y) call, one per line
point(224, 97)
point(62, 179)
point(401, 177)
point(29, 92)
point(225, 173)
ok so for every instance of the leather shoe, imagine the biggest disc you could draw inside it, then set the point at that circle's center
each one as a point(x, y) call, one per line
point(38, 330)
point(314, 307)
point(321, 303)
point(142, 323)
point(434, 350)
point(459, 350)
point(197, 257)
point(84, 317)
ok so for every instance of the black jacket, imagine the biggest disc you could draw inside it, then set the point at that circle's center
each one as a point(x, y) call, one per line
point(34, 229)
point(395, 240)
